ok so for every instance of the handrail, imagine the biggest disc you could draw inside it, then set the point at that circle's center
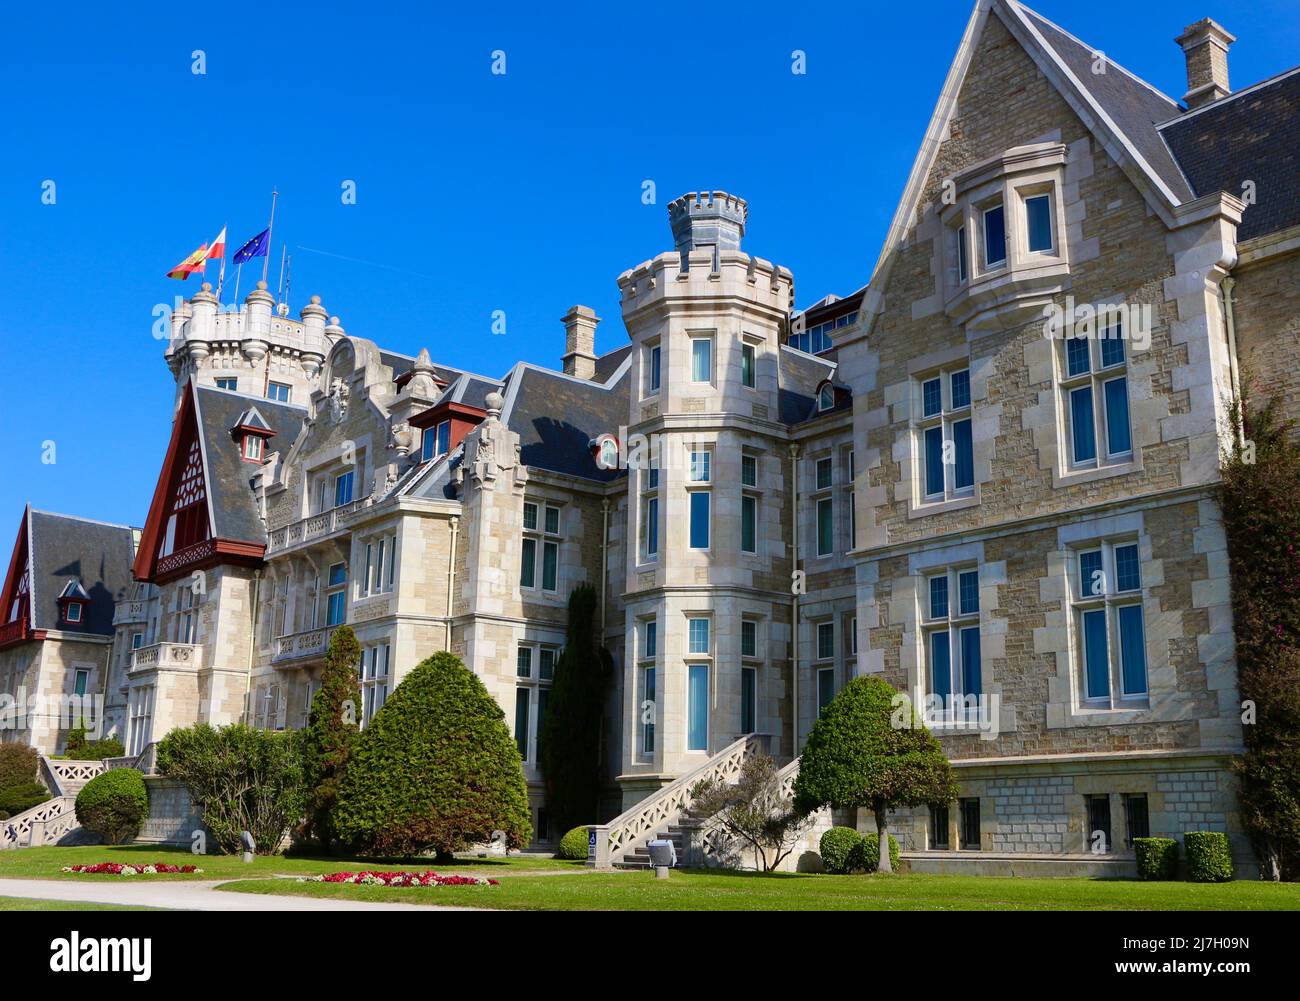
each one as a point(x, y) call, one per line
point(632, 828)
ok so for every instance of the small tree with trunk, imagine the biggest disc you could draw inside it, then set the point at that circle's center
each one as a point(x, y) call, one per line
point(569, 735)
point(332, 730)
point(754, 811)
point(866, 751)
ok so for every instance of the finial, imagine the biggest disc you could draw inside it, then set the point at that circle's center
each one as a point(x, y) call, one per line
point(493, 402)
point(261, 284)
point(315, 300)
point(206, 287)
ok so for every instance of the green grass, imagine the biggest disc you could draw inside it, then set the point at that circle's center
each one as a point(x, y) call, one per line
point(45, 863)
point(24, 904)
point(707, 891)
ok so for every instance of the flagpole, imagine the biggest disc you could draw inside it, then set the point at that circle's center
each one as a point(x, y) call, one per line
point(221, 275)
point(279, 291)
point(269, 230)
point(239, 270)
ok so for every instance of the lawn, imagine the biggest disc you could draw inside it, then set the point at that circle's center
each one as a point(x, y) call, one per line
point(25, 904)
point(46, 863)
point(710, 891)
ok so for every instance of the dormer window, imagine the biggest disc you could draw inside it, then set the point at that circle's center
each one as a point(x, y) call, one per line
point(826, 398)
point(253, 448)
point(72, 603)
point(252, 432)
point(436, 441)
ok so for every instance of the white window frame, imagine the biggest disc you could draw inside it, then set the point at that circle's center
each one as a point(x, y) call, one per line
point(945, 419)
point(953, 623)
point(1096, 378)
point(1111, 600)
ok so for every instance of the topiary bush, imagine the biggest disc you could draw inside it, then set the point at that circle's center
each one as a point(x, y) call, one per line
point(331, 733)
point(865, 856)
point(18, 799)
point(1157, 858)
point(836, 846)
point(436, 768)
point(573, 846)
point(96, 750)
point(1209, 856)
point(18, 764)
point(113, 805)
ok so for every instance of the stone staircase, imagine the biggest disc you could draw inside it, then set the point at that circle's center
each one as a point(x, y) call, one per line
point(55, 820)
point(639, 857)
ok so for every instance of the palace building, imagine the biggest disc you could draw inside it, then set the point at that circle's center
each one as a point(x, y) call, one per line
point(988, 476)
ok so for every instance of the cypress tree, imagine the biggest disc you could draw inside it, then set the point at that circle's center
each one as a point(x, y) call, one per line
point(331, 732)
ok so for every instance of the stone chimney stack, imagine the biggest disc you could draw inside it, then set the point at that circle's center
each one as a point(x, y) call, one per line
point(1205, 46)
point(580, 341)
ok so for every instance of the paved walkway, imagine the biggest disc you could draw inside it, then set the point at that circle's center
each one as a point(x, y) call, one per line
point(194, 895)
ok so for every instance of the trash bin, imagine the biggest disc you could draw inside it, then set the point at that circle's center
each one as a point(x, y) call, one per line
point(663, 856)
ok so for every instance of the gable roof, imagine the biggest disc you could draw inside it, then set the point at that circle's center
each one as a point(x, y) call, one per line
point(1252, 135)
point(799, 374)
point(73, 557)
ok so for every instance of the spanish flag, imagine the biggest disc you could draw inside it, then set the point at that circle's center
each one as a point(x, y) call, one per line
point(195, 262)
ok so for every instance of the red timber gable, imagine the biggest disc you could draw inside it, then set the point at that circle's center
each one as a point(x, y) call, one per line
point(16, 598)
point(178, 536)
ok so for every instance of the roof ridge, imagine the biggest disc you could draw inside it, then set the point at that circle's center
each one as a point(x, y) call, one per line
point(77, 517)
point(1266, 82)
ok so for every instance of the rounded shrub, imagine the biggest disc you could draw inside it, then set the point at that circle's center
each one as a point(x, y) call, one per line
point(436, 768)
point(865, 856)
point(1209, 856)
point(573, 846)
point(1157, 858)
point(113, 805)
point(836, 847)
point(20, 798)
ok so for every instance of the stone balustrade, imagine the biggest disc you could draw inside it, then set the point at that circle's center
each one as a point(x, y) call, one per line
point(297, 646)
point(314, 527)
point(167, 655)
point(127, 612)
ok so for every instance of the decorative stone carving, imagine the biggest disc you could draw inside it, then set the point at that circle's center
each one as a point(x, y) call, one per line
point(339, 395)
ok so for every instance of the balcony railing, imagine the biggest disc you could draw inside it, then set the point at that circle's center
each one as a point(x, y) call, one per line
point(15, 631)
point(126, 612)
point(167, 655)
point(313, 527)
point(300, 646)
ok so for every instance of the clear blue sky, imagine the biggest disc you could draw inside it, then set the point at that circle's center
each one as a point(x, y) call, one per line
point(475, 192)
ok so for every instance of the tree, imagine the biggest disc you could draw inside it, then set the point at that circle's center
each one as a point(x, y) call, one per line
point(753, 811)
point(569, 734)
point(331, 732)
point(113, 805)
point(865, 752)
point(242, 778)
point(1260, 497)
point(435, 768)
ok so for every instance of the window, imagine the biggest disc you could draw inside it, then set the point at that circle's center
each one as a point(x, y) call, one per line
point(1038, 223)
point(825, 687)
point(748, 523)
point(817, 339)
point(650, 638)
point(436, 441)
point(698, 636)
point(231, 384)
point(970, 824)
point(697, 707)
point(963, 265)
point(825, 640)
point(534, 672)
point(1095, 389)
point(995, 237)
point(547, 540)
point(378, 581)
point(747, 365)
point(701, 474)
point(653, 355)
point(951, 632)
point(336, 597)
point(278, 391)
point(748, 699)
point(373, 673)
point(850, 504)
point(1137, 823)
point(343, 488)
point(650, 514)
point(939, 828)
point(947, 449)
point(72, 611)
point(749, 470)
point(139, 719)
point(648, 709)
point(253, 447)
point(392, 561)
point(824, 506)
point(826, 399)
point(701, 359)
point(1107, 597)
point(748, 638)
point(184, 630)
point(1098, 834)
point(79, 683)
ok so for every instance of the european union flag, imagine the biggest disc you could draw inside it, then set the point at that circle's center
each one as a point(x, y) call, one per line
point(256, 247)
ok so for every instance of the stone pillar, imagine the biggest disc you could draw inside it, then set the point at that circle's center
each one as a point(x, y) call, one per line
point(598, 847)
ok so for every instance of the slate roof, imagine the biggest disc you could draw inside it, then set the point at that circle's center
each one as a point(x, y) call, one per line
point(556, 415)
point(98, 555)
point(607, 364)
point(799, 376)
point(234, 507)
point(1133, 105)
point(1251, 135)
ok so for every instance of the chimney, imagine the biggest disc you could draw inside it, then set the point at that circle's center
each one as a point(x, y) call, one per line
point(580, 341)
point(1205, 46)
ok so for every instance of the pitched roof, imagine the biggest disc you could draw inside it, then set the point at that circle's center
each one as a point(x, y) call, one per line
point(231, 501)
point(799, 374)
point(557, 415)
point(1252, 135)
point(74, 552)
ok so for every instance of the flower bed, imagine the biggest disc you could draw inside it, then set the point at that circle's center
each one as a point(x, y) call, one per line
point(120, 869)
point(399, 879)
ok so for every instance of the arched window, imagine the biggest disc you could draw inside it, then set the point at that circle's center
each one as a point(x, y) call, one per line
point(826, 398)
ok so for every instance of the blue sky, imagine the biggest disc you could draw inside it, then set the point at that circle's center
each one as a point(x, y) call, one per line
point(475, 192)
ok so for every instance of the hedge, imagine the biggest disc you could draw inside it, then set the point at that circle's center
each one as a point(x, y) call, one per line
point(866, 856)
point(836, 846)
point(18, 799)
point(96, 750)
point(113, 805)
point(1209, 856)
point(1157, 858)
point(573, 846)
point(18, 764)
